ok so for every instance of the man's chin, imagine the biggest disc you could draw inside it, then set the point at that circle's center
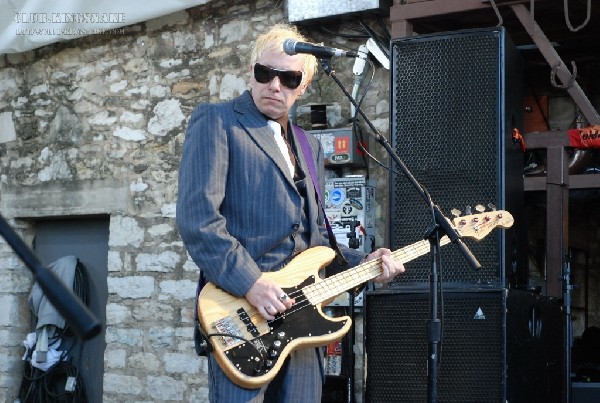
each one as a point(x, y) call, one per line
point(272, 114)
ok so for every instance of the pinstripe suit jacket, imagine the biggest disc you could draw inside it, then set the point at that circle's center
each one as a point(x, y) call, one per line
point(236, 199)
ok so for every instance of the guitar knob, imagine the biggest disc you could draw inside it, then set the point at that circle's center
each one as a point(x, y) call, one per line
point(268, 363)
point(277, 344)
point(273, 353)
point(280, 335)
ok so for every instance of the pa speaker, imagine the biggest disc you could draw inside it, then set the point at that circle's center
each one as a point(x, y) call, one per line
point(456, 99)
point(497, 346)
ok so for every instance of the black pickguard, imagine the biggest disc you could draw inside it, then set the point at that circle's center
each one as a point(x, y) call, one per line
point(256, 359)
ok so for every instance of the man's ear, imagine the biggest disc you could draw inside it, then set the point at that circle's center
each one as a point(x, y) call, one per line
point(303, 88)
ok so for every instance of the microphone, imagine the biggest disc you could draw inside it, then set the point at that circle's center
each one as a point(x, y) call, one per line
point(292, 47)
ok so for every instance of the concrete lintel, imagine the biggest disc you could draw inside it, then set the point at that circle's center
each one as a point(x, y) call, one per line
point(86, 197)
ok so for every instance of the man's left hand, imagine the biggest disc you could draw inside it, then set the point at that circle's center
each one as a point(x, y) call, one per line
point(390, 267)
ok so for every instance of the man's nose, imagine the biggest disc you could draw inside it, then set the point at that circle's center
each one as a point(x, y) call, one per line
point(275, 83)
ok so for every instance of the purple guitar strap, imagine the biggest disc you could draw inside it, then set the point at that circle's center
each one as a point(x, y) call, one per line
point(312, 169)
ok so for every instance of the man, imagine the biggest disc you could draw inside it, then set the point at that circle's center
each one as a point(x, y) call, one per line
point(247, 205)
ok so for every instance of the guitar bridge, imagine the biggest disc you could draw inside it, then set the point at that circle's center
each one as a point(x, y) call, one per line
point(227, 326)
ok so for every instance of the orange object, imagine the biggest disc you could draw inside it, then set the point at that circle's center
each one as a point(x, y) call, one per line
point(518, 138)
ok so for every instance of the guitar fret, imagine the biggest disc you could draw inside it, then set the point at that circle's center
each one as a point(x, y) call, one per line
point(348, 279)
point(476, 226)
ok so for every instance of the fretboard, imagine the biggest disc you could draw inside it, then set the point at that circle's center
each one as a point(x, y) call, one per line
point(333, 286)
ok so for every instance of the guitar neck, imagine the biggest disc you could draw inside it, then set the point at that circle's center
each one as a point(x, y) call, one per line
point(349, 279)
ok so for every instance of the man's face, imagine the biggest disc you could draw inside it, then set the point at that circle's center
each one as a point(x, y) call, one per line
point(273, 98)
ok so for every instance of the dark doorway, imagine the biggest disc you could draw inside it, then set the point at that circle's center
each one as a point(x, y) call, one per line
point(87, 239)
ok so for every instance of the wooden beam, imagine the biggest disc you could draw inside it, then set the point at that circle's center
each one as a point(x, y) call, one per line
point(582, 181)
point(432, 8)
point(554, 138)
point(557, 219)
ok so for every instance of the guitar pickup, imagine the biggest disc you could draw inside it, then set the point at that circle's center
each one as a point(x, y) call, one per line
point(251, 327)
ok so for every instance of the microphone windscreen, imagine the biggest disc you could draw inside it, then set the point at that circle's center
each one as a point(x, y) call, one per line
point(289, 46)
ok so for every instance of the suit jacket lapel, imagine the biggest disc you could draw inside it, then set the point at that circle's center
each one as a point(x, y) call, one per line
point(255, 124)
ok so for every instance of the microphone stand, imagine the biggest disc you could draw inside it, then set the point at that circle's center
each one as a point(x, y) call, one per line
point(79, 317)
point(441, 226)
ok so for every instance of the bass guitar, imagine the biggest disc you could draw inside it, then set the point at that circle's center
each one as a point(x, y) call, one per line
point(251, 349)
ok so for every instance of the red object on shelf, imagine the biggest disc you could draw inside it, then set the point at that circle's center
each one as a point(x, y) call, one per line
point(588, 137)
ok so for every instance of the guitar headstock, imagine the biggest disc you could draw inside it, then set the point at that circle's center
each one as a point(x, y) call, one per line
point(478, 226)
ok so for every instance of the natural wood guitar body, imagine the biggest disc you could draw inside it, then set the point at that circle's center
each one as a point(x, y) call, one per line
point(251, 350)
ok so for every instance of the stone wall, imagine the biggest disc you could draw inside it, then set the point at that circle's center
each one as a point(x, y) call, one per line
point(94, 126)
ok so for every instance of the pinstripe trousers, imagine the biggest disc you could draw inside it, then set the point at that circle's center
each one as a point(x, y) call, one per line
point(300, 380)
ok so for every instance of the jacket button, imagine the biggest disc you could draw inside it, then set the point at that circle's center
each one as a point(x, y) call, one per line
point(296, 226)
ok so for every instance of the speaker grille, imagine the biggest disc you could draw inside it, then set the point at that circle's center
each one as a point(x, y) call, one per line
point(448, 127)
point(497, 346)
point(472, 354)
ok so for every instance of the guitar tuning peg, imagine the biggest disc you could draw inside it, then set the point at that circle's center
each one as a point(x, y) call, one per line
point(492, 206)
point(468, 210)
point(455, 212)
point(479, 208)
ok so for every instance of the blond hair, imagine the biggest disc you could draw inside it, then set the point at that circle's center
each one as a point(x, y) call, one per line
point(273, 40)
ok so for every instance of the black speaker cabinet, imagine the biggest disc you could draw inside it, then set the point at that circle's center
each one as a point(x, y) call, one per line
point(456, 98)
point(497, 346)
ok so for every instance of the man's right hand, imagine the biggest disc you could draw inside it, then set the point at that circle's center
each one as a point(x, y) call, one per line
point(265, 296)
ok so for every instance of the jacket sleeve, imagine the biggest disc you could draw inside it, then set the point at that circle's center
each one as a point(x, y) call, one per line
point(202, 183)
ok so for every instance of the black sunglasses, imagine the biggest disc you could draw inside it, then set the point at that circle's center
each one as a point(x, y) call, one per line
point(290, 79)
